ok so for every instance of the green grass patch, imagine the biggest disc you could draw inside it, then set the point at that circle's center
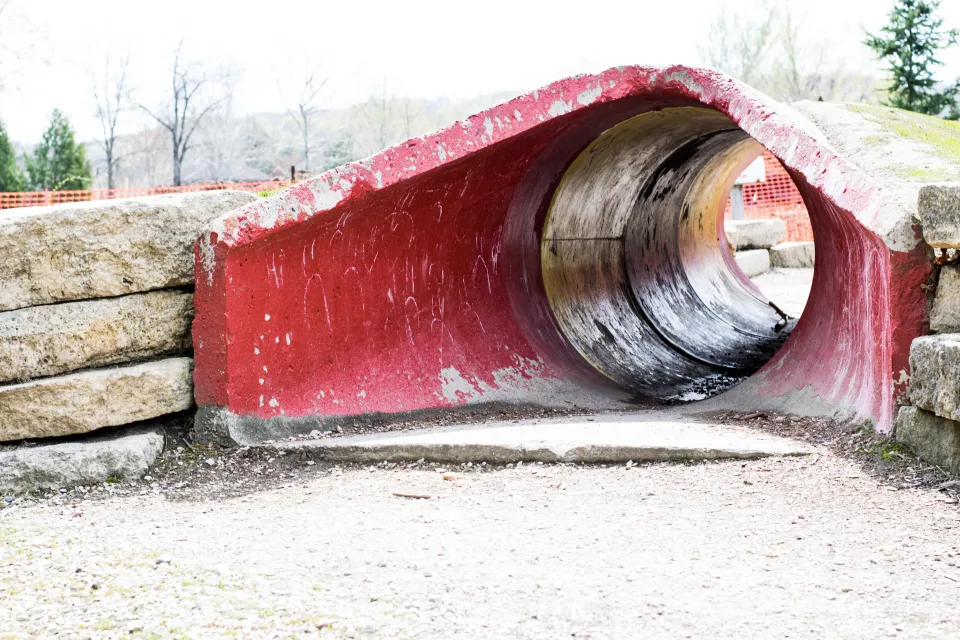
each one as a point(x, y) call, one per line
point(942, 135)
point(268, 193)
point(886, 449)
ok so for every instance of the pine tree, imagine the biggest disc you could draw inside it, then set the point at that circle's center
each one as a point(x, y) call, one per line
point(11, 178)
point(58, 162)
point(910, 43)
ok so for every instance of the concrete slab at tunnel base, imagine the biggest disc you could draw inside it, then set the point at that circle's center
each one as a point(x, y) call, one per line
point(653, 436)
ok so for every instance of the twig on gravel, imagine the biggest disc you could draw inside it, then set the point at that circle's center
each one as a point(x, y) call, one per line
point(414, 496)
point(189, 446)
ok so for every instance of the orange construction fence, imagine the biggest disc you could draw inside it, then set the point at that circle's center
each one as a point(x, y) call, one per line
point(9, 200)
point(776, 197)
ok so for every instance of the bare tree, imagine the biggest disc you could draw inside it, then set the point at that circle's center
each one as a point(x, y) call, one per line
point(768, 49)
point(409, 117)
point(739, 42)
point(112, 99)
point(189, 105)
point(306, 107)
point(230, 148)
point(378, 114)
point(805, 69)
point(148, 157)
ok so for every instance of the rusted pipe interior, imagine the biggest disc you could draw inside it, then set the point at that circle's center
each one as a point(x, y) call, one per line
point(635, 271)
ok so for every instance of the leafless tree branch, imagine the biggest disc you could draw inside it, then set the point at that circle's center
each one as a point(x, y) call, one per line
point(112, 97)
point(189, 87)
point(307, 107)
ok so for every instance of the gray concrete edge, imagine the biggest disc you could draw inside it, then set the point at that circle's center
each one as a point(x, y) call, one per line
point(220, 426)
point(500, 454)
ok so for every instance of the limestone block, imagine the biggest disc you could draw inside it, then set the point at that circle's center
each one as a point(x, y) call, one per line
point(89, 400)
point(70, 464)
point(935, 374)
point(939, 210)
point(792, 255)
point(935, 439)
point(755, 234)
point(104, 248)
point(753, 263)
point(58, 338)
point(945, 314)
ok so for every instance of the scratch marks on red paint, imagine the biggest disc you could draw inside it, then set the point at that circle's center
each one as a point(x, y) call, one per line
point(373, 262)
point(480, 262)
point(272, 270)
point(310, 311)
point(406, 313)
point(430, 223)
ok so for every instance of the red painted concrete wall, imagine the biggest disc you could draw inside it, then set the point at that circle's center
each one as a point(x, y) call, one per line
point(412, 280)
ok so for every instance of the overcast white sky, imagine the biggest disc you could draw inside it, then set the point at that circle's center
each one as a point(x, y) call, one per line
point(423, 48)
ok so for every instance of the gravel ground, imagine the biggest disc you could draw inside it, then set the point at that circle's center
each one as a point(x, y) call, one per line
point(807, 547)
point(859, 540)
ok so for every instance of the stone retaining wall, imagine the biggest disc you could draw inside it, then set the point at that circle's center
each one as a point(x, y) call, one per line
point(96, 305)
point(931, 426)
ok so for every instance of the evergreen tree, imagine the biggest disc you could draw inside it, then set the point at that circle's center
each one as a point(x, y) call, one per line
point(59, 163)
point(910, 43)
point(11, 178)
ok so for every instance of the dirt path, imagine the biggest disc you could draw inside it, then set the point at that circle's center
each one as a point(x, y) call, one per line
point(807, 547)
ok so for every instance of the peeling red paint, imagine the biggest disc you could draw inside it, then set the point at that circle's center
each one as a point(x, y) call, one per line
point(411, 280)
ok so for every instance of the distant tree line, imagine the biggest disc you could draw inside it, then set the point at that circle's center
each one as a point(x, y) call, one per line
point(196, 136)
point(766, 47)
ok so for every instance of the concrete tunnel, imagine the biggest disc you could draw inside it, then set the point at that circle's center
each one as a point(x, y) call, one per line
point(562, 249)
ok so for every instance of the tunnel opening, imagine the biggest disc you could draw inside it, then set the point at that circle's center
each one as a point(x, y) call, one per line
point(636, 267)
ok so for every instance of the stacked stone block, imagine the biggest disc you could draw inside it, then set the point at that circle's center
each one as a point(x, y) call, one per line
point(931, 426)
point(758, 245)
point(95, 311)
